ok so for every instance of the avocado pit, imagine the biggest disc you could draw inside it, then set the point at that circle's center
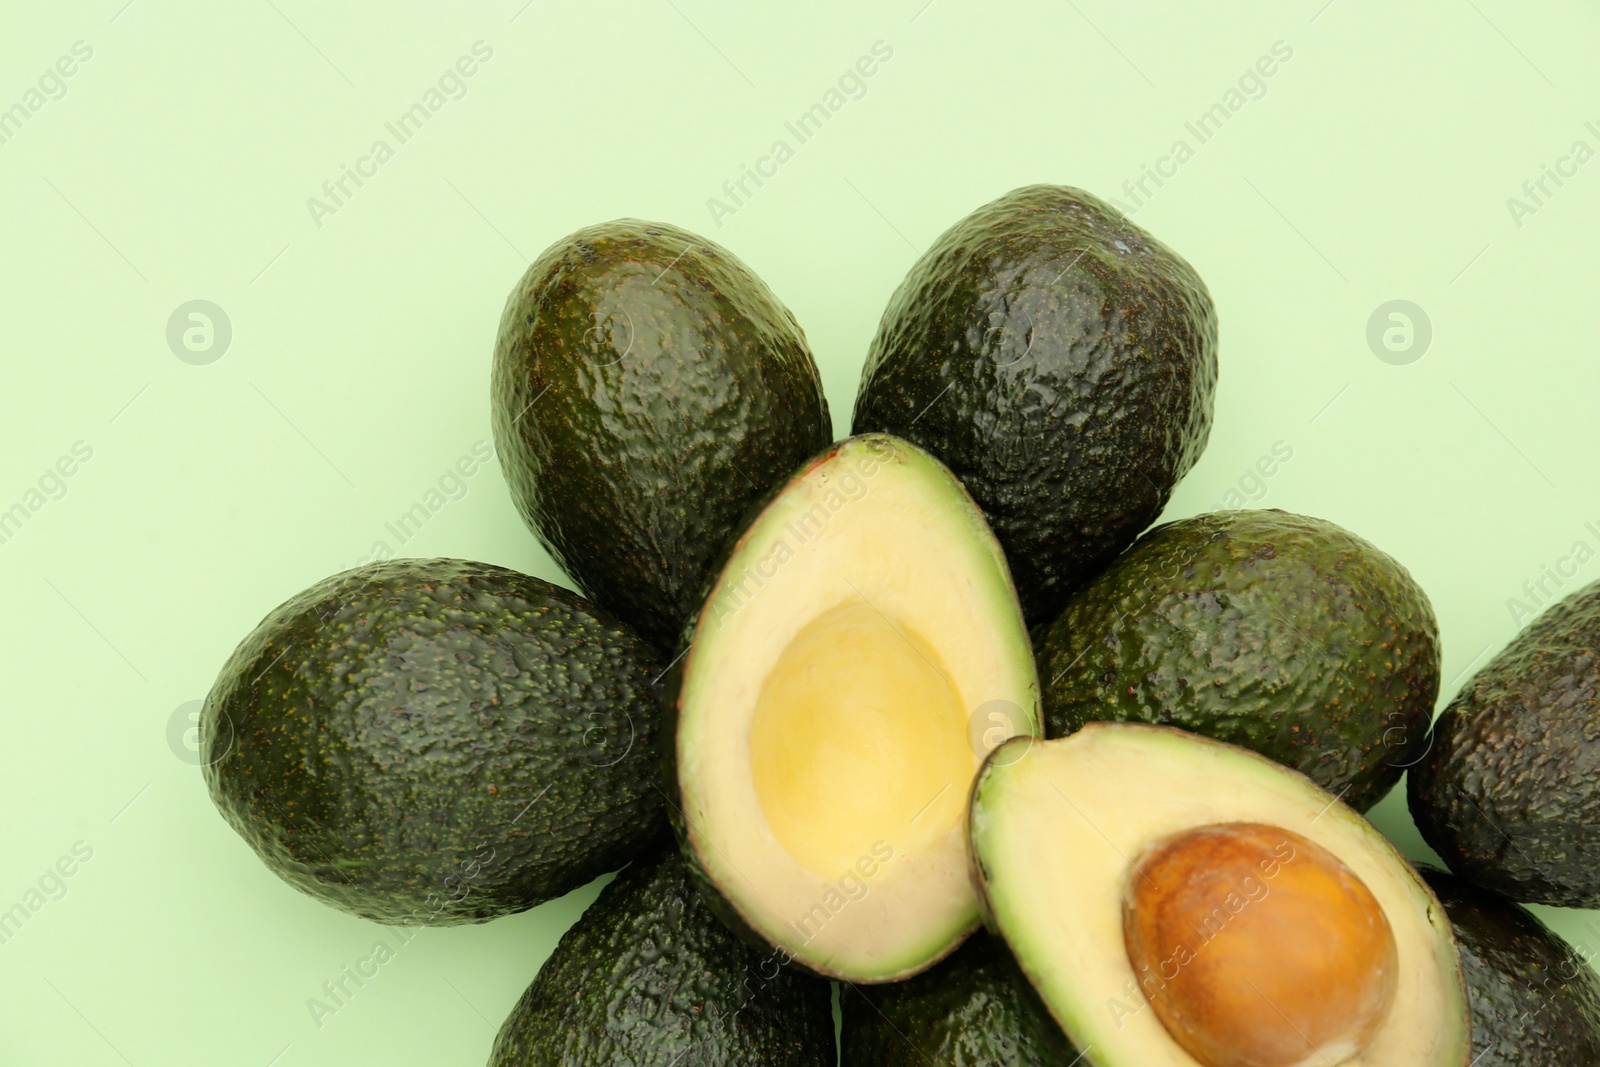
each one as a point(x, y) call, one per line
point(1258, 947)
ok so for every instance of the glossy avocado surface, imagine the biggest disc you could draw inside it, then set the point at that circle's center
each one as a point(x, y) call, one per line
point(974, 1009)
point(1062, 362)
point(647, 977)
point(648, 389)
point(1535, 1000)
point(1509, 790)
point(1281, 633)
point(430, 742)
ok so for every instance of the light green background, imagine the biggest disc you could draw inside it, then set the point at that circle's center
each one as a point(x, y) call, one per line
point(178, 165)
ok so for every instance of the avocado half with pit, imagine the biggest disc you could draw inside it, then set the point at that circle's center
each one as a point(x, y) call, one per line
point(1180, 901)
point(860, 653)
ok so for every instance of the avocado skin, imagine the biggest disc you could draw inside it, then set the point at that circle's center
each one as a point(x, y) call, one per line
point(647, 388)
point(975, 1009)
point(1535, 1001)
point(1068, 383)
point(1509, 791)
point(649, 978)
point(432, 742)
point(1280, 633)
point(671, 689)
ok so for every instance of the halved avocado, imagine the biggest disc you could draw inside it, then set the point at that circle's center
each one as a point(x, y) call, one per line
point(1180, 901)
point(859, 655)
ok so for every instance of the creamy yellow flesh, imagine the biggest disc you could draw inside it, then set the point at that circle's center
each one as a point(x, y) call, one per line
point(859, 655)
point(1056, 824)
point(858, 736)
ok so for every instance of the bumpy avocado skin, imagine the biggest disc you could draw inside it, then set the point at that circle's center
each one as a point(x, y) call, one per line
point(1509, 791)
point(1062, 362)
point(976, 1009)
point(649, 978)
point(1535, 1001)
point(647, 389)
point(1280, 633)
point(437, 742)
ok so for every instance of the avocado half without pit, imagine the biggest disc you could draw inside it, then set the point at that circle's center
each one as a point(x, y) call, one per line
point(1180, 901)
point(856, 659)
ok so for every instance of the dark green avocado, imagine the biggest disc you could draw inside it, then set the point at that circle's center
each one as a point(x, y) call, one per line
point(1535, 1001)
point(1509, 791)
point(1280, 633)
point(430, 742)
point(1062, 362)
point(649, 978)
point(975, 1009)
point(647, 390)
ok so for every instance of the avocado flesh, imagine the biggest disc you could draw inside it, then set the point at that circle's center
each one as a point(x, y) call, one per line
point(435, 741)
point(648, 389)
point(1062, 362)
point(858, 655)
point(883, 691)
point(974, 1009)
point(1535, 1001)
point(648, 977)
point(1056, 825)
point(1284, 634)
point(1508, 793)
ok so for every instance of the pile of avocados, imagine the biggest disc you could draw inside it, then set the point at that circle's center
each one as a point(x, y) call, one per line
point(920, 747)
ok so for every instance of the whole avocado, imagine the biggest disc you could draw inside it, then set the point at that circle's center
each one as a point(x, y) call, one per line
point(1535, 1001)
point(975, 1009)
point(1280, 633)
point(431, 742)
point(1062, 362)
point(1509, 791)
point(647, 390)
point(649, 978)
